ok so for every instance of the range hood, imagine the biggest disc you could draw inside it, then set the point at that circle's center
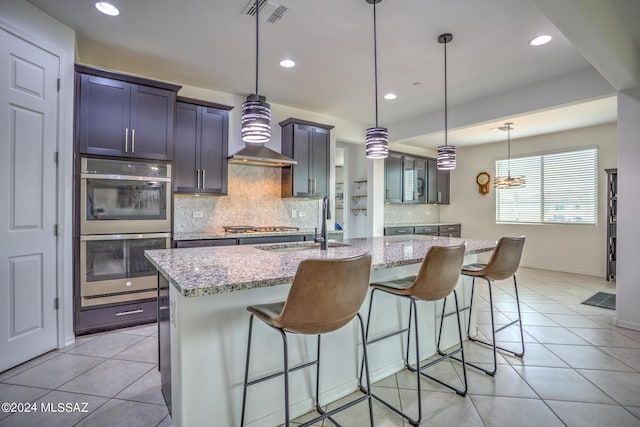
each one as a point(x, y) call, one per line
point(259, 155)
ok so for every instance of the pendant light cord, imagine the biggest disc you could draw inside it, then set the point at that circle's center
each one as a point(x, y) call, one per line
point(257, 43)
point(446, 108)
point(509, 150)
point(375, 58)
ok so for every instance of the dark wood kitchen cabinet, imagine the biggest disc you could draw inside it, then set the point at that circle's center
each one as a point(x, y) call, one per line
point(124, 116)
point(406, 179)
point(201, 146)
point(393, 178)
point(437, 184)
point(308, 143)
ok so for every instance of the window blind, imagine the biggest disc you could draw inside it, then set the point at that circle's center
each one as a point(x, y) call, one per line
point(560, 188)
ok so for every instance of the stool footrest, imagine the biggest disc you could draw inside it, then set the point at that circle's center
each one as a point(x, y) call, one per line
point(277, 374)
point(507, 325)
point(488, 344)
point(390, 334)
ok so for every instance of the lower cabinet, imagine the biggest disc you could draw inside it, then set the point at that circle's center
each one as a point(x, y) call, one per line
point(391, 231)
point(116, 316)
point(201, 243)
point(164, 338)
point(449, 230)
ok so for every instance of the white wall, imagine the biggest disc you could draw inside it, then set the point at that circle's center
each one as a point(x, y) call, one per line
point(25, 21)
point(572, 248)
point(627, 279)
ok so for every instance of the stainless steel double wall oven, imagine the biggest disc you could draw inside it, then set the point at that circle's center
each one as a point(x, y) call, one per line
point(125, 209)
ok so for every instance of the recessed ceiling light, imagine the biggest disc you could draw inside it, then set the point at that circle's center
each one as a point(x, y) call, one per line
point(107, 8)
point(287, 63)
point(390, 96)
point(540, 40)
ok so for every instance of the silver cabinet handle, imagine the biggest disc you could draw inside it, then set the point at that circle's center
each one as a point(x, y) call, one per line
point(133, 140)
point(309, 190)
point(126, 313)
point(126, 140)
point(202, 185)
point(198, 179)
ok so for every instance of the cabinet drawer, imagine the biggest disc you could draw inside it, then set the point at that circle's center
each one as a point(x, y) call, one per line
point(102, 319)
point(390, 231)
point(201, 243)
point(426, 229)
point(449, 230)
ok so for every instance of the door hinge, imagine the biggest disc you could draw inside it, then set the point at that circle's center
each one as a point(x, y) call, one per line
point(58, 84)
point(56, 303)
point(56, 231)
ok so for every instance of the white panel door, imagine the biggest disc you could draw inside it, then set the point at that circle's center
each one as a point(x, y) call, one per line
point(28, 141)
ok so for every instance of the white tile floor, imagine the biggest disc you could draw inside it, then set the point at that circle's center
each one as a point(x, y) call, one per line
point(578, 370)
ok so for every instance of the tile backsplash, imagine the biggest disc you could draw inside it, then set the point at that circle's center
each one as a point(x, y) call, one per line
point(405, 214)
point(253, 198)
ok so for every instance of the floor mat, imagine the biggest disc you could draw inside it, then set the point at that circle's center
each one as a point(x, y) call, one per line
point(602, 299)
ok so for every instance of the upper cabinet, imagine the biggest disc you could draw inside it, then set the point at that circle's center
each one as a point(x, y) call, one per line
point(393, 178)
point(201, 144)
point(124, 116)
point(414, 179)
point(307, 143)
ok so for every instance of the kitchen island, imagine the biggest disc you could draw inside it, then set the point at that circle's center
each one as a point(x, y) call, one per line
point(206, 292)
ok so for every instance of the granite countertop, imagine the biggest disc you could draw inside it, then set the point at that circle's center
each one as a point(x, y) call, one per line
point(213, 270)
point(221, 234)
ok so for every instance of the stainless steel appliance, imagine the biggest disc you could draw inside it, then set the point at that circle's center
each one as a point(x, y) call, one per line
point(125, 209)
point(120, 196)
point(113, 267)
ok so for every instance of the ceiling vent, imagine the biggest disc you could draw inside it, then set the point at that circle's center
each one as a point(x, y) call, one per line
point(270, 11)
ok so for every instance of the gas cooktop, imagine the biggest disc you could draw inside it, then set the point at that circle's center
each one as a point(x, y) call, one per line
point(255, 229)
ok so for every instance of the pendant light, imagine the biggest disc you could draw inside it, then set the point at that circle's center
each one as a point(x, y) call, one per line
point(256, 113)
point(446, 154)
point(502, 182)
point(377, 138)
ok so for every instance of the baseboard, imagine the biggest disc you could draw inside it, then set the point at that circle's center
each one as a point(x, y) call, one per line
point(564, 270)
point(628, 325)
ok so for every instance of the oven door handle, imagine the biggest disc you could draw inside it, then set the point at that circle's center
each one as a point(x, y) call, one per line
point(86, 175)
point(125, 236)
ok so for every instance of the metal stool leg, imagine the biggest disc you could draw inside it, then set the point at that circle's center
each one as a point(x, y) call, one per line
point(515, 285)
point(246, 372)
point(286, 377)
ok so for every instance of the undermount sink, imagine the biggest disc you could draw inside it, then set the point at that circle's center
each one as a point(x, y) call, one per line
point(292, 247)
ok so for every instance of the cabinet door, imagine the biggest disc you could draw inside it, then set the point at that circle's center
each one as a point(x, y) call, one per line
point(103, 117)
point(420, 178)
point(152, 112)
point(302, 154)
point(213, 150)
point(186, 151)
point(393, 178)
point(443, 187)
point(408, 180)
point(319, 162)
point(432, 181)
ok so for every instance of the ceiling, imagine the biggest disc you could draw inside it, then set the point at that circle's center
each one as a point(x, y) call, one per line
point(211, 44)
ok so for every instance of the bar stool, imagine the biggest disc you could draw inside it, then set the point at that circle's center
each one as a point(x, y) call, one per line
point(504, 263)
point(326, 294)
point(436, 280)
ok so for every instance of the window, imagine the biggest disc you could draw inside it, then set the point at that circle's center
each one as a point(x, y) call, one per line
point(560, 188)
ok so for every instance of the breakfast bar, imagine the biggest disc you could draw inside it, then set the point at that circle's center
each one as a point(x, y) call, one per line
point(203, 295)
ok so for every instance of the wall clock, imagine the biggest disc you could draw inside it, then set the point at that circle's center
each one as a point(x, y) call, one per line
point(483, 179)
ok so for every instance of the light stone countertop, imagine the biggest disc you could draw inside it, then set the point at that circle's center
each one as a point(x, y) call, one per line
point(213, 270)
